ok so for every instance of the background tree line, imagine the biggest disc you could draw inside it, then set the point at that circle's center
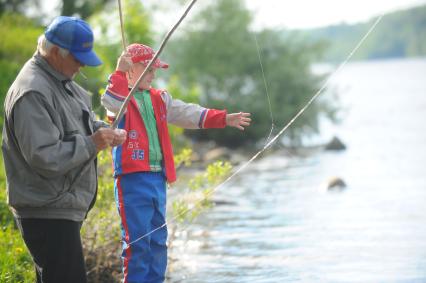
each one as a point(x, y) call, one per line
point(400, 34)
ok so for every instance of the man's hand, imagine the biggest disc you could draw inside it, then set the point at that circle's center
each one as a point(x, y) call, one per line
point(238, 120)
point(120, 137)
point(105, 137)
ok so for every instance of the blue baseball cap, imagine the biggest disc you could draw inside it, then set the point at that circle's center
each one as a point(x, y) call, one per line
point(75, 35)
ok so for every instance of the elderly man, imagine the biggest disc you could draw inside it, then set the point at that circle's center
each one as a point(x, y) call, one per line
point(50, 143)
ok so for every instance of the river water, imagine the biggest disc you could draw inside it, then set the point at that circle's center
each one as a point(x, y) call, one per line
point(281, 226)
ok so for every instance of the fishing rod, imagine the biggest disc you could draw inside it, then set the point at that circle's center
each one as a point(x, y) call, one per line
point(123, 107)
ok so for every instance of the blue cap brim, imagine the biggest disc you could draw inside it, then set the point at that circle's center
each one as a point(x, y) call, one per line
point(87, 58)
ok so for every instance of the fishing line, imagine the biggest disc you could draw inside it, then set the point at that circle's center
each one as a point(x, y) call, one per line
point(123, 38)
point(267, 94)
point(266, 89)
point(82, 75)
point(242, 167)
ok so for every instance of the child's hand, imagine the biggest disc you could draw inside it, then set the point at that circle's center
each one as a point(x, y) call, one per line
point(238, 120)
point(124, 62)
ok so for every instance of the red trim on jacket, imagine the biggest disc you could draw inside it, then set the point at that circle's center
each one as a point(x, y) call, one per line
point(214, 119)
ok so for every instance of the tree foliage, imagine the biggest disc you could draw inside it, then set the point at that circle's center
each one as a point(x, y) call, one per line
point(221, 53)
point(17, 6)
point(84, 9)
point(19, 38)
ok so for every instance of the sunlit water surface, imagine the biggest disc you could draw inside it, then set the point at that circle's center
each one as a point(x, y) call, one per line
point(281, 226)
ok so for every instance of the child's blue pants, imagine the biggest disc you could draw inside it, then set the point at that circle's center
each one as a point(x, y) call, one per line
point(141, 203)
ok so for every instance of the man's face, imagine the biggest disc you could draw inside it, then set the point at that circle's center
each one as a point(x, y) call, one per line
point(68, 65)
point(71, 66)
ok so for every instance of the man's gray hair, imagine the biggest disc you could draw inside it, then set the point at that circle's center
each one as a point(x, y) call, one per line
point(44, 46)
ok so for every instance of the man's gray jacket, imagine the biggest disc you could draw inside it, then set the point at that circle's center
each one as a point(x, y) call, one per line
point(49, 156)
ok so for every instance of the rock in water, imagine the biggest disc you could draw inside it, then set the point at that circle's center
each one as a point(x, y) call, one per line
point(335, 184)
point(335, 144)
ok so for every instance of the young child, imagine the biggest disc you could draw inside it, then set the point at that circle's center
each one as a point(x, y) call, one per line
point(144, 162)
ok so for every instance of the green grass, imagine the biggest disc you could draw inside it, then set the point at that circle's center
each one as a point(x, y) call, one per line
point(15, 262)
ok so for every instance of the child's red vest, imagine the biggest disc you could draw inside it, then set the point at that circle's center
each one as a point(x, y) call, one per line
point(133, 155)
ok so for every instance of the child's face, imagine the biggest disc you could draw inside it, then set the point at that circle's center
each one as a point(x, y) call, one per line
point(137, 70)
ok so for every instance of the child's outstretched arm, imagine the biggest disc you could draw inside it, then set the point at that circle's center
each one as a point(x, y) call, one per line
point(194, 116)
